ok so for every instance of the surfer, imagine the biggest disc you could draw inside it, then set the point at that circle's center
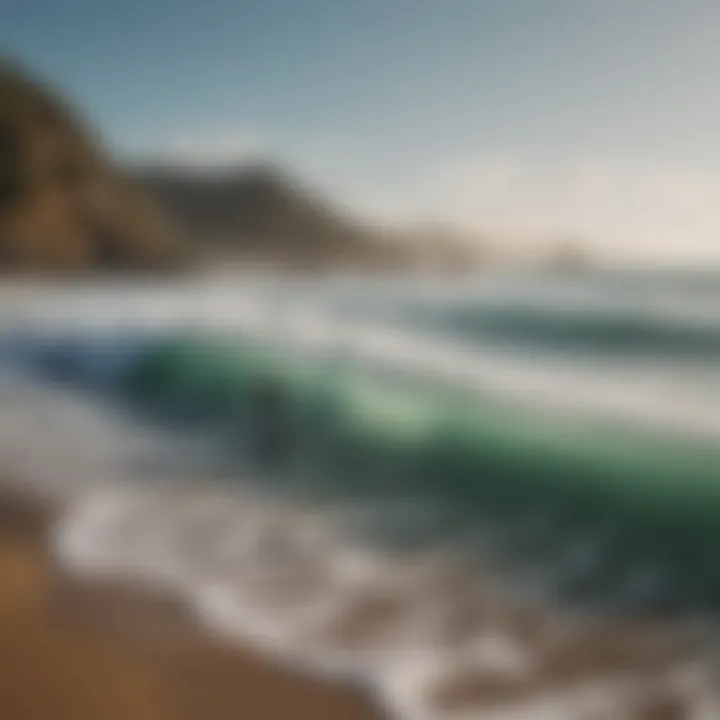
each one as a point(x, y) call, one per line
point(269, 423)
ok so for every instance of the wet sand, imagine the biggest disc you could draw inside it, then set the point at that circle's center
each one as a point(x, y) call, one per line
point(72, 650)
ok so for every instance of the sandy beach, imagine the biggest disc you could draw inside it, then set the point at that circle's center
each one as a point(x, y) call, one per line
point(72, 650)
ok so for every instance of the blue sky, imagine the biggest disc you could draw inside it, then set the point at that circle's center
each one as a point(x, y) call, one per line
point(525, 117)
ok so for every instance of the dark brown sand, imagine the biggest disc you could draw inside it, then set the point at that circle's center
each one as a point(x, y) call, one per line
point(71, 650)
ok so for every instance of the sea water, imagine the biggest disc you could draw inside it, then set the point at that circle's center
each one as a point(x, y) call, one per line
point(469, 498)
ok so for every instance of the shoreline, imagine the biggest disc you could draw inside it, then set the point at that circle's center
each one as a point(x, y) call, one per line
point(78, 649)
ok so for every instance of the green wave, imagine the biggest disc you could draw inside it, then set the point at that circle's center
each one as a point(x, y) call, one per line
point(379, 434)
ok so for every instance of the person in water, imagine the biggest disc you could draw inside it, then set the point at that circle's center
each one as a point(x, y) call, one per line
point(270, 430)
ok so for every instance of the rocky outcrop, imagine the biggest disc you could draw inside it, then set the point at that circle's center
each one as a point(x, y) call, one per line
point(63, 205)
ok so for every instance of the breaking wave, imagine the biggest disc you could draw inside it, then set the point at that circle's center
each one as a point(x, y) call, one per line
point(474, 531)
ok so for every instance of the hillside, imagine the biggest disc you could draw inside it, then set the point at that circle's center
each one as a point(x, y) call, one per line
point(63, 206)
point(260, 212)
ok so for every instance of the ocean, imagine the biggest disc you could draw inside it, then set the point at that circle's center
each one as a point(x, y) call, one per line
point(489, 498)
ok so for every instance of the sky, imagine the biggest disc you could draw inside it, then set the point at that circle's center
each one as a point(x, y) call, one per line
point(525, 119)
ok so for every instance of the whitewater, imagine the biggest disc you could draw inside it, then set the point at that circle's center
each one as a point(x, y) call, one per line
point(388, 576)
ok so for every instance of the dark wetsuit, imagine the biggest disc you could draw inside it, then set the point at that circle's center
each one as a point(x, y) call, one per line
point(269, 423)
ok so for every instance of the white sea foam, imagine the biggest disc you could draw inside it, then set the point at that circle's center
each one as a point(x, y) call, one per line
point(664, 394)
